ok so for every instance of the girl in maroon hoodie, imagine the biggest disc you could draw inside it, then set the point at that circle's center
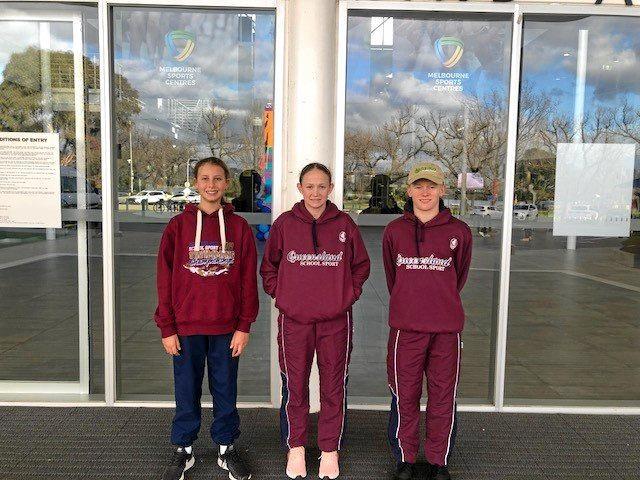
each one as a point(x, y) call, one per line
point(314, 265)
point(426, 253)
point(207, 300)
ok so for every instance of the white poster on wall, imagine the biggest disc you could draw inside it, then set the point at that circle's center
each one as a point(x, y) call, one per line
point(30, 180)
point(594, 185)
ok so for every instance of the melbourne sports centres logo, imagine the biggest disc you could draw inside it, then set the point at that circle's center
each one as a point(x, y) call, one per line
point(180, 35)
point(457, 53)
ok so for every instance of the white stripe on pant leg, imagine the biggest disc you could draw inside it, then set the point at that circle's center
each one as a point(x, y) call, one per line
point(286, 375)
point(395, 371)
point(453, 407)
point(344, 380)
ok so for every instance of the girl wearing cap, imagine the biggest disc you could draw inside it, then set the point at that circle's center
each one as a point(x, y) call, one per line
point(426, 253)
point(314, 265)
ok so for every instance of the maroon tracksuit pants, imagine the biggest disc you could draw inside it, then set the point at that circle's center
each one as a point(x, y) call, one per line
point(411, 356)
point(331, 340)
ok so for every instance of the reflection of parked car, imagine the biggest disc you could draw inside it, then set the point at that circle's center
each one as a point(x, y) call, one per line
point(191, 197)
point(69, 190)
point(581, 213)
point(151, 196)
point(487, 211)
point(525, 211)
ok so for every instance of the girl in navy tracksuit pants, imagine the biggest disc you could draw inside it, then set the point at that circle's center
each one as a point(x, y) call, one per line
point(314, 265)
point(426, 253)
point(207, 300)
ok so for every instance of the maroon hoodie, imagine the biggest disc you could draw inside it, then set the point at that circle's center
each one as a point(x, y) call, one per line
point(314, 269)
point(206, 286)
point(426, 266)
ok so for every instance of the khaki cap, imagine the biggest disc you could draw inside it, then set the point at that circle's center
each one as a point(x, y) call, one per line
point(426, 171)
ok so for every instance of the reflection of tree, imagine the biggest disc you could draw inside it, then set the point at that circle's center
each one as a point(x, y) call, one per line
point(627, 120)
point(397, 144)
point(535, 174)
point(359, 161)
point(26, 107)
point(236, 139)
point(476, 136)
point(158, 162)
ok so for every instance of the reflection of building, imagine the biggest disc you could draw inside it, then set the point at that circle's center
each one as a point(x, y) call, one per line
point(246, 54)
point(381, 56)
point(186, 114)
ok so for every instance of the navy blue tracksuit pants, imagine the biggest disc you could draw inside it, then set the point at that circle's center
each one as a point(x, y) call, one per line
point(188, 371)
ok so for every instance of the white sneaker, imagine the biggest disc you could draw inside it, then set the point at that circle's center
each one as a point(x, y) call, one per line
point(296, 463)
point(329, 467)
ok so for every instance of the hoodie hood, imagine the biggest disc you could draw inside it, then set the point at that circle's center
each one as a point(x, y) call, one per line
point(443, 217)
point(225, 210)
point(301, 213)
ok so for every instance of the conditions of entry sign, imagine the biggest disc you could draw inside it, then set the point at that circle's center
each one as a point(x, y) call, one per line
point(30, 180)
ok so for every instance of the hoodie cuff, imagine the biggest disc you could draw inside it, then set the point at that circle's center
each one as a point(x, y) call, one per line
point(168, 330)
point(244, 326)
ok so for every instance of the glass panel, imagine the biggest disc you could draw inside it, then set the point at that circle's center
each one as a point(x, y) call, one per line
point(50, 278)
point(574, 308)
point(427, 87)
point(188, 84)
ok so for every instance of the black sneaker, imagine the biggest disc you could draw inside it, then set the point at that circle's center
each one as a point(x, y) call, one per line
point(231, 461)
point(435, 472)
point(181, 461)
point(404, 471)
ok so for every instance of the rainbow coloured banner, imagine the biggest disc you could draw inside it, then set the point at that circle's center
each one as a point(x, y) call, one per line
point(457, 53)
point(189, 45)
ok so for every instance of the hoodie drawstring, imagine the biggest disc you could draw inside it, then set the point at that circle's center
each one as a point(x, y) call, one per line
point(223, 231)
point(198, 229)
point(417, 239)
point(314, 236)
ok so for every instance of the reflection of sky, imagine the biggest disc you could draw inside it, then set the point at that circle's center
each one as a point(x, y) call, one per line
point(382, 79)
point(234, 73)
point(17, 36)
point(550, 60)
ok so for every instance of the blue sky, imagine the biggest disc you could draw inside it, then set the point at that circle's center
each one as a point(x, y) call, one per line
point(549, 63)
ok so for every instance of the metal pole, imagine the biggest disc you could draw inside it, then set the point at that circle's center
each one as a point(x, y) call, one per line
point(47, 100)
point(463, 183)
point(81, 204)
point(578, 106)
point(507, 217)
point(131, 160)
point(108, 207)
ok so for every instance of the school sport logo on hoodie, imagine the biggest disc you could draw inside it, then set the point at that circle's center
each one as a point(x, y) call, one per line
point(209, 259)
point(323, 259)
point(424, 263)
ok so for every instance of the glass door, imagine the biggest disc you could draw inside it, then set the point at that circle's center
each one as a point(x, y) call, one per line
point(427, 86)
point(48, 95)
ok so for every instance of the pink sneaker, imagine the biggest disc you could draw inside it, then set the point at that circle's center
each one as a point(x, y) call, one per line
point(296, 463)
point(329, 467)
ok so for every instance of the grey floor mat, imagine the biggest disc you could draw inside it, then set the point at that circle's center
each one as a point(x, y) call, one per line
point(114, 443)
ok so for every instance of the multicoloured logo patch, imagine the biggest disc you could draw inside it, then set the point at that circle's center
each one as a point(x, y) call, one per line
point(455, 56)
point(178, 36)
point(210, 260)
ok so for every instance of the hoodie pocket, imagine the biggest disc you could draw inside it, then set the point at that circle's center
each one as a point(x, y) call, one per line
point(184, 299)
